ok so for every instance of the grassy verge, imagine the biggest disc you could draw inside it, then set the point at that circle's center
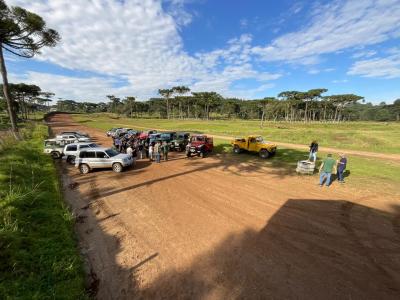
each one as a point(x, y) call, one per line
point(365, 136)
point(38, 254)
point(372, 174)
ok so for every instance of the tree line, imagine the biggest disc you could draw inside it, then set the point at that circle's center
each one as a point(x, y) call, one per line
point(290, 106)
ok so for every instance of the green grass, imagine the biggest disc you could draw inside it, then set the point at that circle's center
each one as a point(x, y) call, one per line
point(365, 136)
point(364, 172)
point(38, 254)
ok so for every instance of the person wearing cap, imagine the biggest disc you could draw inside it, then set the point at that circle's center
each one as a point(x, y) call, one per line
point(327, 167)
point(341, 166)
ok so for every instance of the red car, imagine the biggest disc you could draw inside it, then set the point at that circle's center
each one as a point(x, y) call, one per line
point(199, 145)
point(145, 134)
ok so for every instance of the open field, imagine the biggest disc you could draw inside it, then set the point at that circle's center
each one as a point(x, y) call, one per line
point(364, 136)
point(366, 172)
point(231, 227)
point(38, 254)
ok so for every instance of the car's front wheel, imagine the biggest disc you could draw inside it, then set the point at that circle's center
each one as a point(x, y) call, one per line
point(117, 167)
point(55, 154)
point(236, 149)
point(71, 159)
point(264, 153)
point(84, 169)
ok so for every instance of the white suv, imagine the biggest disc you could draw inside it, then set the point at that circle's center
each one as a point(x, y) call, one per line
point(72, 150)
point(93, 158)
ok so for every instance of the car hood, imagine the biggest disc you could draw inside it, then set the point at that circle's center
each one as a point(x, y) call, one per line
point(269, 144)
point(120, 156)
point(195, 144)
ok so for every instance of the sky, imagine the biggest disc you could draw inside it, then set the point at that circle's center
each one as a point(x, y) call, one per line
point(248, 49)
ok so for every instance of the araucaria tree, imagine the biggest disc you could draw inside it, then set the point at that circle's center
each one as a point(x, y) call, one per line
point(22, 33)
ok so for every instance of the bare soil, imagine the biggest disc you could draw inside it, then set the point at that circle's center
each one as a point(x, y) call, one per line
point(216, 228)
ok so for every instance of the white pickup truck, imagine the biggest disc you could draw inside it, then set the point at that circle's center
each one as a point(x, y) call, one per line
point(54, 147)
point(59, 148)
point(72, 150)
point(73, 138)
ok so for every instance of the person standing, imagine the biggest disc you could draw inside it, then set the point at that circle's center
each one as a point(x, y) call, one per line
point(129, 150)
point(341, 167)
point(165, 150)
point(140, 149)
point(327, 167)
point(151, 150)
point(157, 150)
point(313, 151)
point(134, 155)
point(118, 144)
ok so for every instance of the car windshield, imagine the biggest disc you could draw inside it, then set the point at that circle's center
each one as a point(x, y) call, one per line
point(198, 139)
point(49, 143)
point(259, 139)
point(111, 152)
point(92, 145)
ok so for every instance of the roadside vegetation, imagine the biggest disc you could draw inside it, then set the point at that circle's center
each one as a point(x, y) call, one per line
point(38, 254)
point(364, 136)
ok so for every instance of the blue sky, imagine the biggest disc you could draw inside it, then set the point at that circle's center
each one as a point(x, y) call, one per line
point(245, 49)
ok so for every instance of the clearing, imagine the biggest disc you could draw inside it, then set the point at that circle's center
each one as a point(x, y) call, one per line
point(220, 228)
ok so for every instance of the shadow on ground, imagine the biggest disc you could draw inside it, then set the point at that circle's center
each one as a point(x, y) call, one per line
point(310, 249)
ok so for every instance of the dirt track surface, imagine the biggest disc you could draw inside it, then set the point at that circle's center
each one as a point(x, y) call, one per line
point(214, 228)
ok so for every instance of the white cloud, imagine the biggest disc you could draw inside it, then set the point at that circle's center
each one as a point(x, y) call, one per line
point(340, 81)
point(366, 54)
point(336, 26)
point(84, 89)
point(384, 67)
point(137, 41)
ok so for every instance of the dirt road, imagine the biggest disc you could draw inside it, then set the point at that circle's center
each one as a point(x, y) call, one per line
point(217, 229)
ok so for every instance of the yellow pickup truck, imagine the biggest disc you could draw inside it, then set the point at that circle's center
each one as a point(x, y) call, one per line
point(254, 143)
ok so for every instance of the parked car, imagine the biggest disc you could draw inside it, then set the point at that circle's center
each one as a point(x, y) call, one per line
point(254, 143)
point(112, 131)
point(72, 150)
point(180, 141)
point(94, 158)
point(77, 133)
point(72, 138)
point(155, 137)
point(54, 147)
point(145, 134)
point(167, 136)
point(200, 145)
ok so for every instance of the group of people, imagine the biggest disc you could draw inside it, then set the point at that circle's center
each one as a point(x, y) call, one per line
point(329, 165)
point(139, 149)
point(158, 150)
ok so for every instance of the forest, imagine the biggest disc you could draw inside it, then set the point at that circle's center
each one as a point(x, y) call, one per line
point(180, 103)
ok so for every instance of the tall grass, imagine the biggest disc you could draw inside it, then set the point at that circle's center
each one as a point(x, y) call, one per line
point(38, 254)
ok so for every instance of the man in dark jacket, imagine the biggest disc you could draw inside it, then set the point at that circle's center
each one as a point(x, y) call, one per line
point(341, 166)
point(313, 151)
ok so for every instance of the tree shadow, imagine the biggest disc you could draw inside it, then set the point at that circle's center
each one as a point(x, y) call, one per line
point(310, 249)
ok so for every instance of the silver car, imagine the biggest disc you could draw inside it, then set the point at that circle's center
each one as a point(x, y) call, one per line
point(93, 158)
